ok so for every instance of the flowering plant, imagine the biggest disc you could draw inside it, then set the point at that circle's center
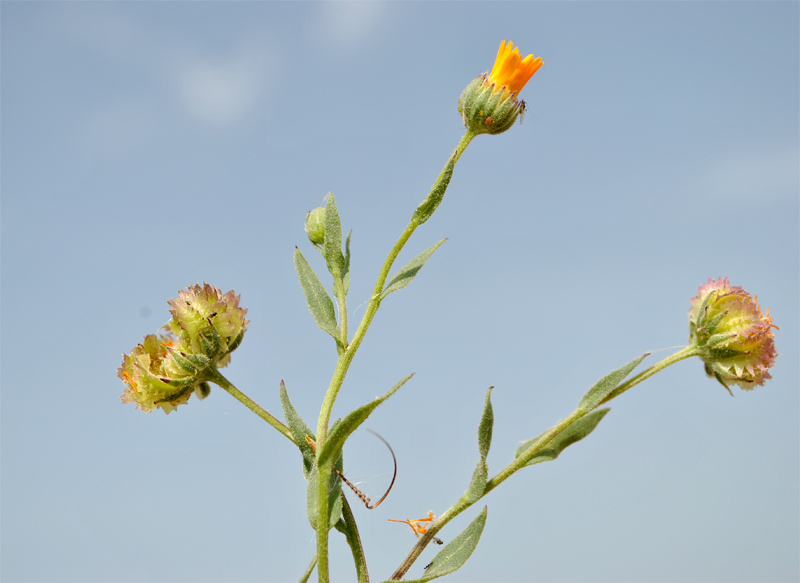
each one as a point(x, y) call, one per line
point(727, 330)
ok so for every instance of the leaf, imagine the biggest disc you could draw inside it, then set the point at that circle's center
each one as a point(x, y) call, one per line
point(346, 272)
point(334, 497)
point(341, 431)
point(485, 427)
point(453, 556)
point(409, 271)
point(332, 245)
point(575, 432)
point(607, 384)
point(319, 302)
point(299, 431)
point(477, 484)
point(435, 196)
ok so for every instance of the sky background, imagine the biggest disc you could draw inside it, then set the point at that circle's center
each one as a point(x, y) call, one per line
point(148, 146)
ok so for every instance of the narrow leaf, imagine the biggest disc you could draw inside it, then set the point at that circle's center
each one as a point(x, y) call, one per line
point(341, 431)
point(319, 302)
point(485, 427)
point(480, 476)
point(346, 272)
point(453, 556)
point(575, 432)
point(435, 196)
point(333, 238)
point(477, 485)
point(299, 431)
point(608, 383)
point(334, 498)
point(409, 271)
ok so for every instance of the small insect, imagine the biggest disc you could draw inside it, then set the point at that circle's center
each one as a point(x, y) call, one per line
point(428, 565)
point(355, 490)
point(420, 525)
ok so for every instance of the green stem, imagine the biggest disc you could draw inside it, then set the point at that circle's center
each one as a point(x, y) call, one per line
point(682, 354)
point(346, 357)
point(347, 526)
point(217, 378)
point(343, 364)
point(323, 529)
point(521, 461)
point(307, 573)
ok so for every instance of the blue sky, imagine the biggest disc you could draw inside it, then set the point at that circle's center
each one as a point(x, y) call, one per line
point(148, 146)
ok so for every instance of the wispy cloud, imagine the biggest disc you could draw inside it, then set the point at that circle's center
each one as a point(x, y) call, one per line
point(224, 90)
point(348, 23)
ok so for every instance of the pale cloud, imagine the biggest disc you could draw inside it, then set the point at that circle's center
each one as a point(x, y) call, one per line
point(347, 23)
point(756, 177)
point(227, 87)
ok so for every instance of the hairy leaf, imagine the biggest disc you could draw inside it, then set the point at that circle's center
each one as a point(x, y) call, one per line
point(409, 271)
point(341, 431)
point(575, 432)
point(319, 302)
point(607, 384)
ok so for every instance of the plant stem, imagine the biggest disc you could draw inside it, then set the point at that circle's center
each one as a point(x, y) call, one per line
point(347, 526)
point(310, 569)
point(522, 460)
point(346, 357)
point(343, 364)
point(217, 378)
point(682, 354)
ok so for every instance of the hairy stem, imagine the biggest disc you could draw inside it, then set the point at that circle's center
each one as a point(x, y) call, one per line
point(521, 461)
point(217, 378)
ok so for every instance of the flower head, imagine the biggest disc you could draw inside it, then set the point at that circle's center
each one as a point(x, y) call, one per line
point(165, 370)
point(511, 72)
point(489, 104)
point(207, 323)
point(734, 336)
point(154, 379)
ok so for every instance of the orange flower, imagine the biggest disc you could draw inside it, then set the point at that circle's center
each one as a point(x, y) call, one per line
point(489, 104)
point(512, 71)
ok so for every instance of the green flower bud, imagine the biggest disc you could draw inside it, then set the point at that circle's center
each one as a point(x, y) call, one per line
point(315, 225)
point(735, 337)
point(489, 104)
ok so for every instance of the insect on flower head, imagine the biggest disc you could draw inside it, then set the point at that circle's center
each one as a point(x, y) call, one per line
point(489, 104)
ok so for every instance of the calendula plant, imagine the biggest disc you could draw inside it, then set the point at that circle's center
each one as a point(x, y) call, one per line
point(727, 330)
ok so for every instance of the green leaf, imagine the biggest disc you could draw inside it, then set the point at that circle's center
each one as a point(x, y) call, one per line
point(477, 485)
point(341, 431)
point(409, 271)
point(319, 302)
point(575, 432)
point(346, 272)
point(435, 196)
point(299, 431)
point(485, 427)
point(607, 384)
point(334, 497)
point(333, 238)
point(453, 556)
point(480, 476)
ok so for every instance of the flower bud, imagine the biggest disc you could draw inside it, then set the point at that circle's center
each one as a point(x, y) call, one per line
point(735, 338)
point(489, 104)
point(315, 225)
point(208, 326)
point(153, 378)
